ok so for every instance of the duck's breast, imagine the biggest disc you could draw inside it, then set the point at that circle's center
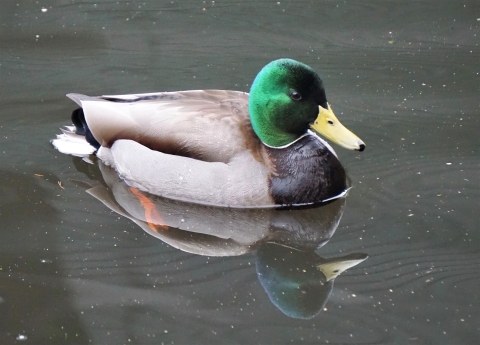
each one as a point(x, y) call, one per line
point(305, 172)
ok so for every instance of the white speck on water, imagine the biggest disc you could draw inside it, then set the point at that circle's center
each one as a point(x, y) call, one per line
point(449, 163)
point(21, 337)
point(182, 220)
point(44, 9)
point(37, 36)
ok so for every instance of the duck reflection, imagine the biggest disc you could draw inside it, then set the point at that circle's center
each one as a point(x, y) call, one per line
point(297, 280)
point(299, 283)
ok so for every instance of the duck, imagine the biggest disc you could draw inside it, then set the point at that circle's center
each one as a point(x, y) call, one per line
point(220, 147)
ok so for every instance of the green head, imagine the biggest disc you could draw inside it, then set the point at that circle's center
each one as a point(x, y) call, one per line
point(286, 99)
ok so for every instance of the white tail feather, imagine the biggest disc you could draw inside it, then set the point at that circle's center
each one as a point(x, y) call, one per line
point(72, 144)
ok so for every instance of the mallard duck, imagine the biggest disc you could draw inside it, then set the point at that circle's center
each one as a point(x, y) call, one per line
point(217, 147)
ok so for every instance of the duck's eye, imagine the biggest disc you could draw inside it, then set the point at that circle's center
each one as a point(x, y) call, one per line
point(295, 95)
point(330, 122)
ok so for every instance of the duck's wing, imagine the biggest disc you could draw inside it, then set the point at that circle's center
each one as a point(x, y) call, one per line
point(209, 125)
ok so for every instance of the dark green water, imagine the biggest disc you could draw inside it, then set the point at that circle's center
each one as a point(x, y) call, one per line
point(403, 75)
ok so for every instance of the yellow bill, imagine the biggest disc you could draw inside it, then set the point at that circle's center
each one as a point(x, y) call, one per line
point(327, 125)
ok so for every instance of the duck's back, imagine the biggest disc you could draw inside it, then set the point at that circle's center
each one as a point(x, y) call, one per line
point(210, 125)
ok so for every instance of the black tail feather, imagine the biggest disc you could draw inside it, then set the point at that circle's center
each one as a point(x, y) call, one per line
point(81, 127)
point(78, 119)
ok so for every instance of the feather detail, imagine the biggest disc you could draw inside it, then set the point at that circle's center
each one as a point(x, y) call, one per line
point(71, 143)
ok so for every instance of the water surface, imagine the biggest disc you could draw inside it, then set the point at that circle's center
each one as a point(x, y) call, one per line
point(403, 75)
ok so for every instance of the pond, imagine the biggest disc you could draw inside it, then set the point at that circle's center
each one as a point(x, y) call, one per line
point(394, 262)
